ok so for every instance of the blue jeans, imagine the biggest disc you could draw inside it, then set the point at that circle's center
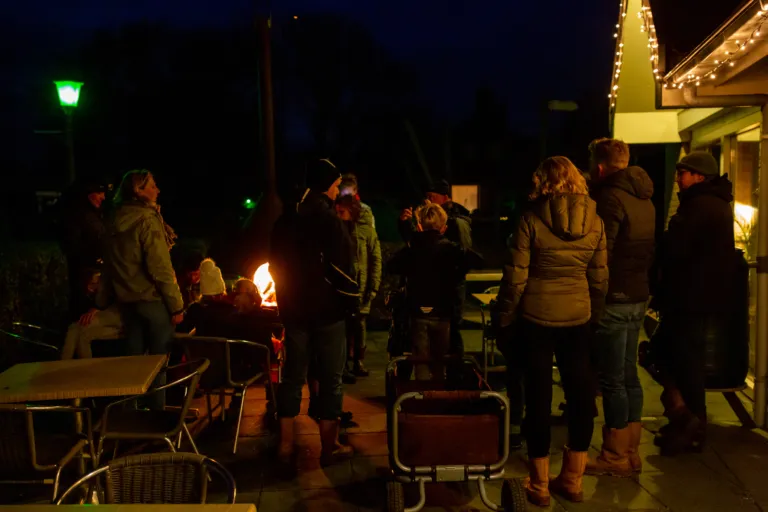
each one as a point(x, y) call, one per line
point(616, 341)
point(328, 345)
point(148, 329)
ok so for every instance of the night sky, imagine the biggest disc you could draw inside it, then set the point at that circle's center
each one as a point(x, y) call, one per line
point(561, 48)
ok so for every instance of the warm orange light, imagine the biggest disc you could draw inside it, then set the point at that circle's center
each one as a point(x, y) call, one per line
point(265, 286)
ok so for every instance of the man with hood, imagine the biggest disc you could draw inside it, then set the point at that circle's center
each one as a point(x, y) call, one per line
point(312, 264)
point(623, 196)
point(459, 231)
point(696, 291)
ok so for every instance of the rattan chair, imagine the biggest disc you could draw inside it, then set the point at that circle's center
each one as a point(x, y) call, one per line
point(128, 423)
point(172, 478)
point(27, 459)
point(16, 348)
point(235, 365)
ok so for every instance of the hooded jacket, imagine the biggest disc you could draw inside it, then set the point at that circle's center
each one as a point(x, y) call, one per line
point(624, 203)
point(137, 260)
point(311, 261)
point(697, 257)
point(557, 271)
point(368, 260)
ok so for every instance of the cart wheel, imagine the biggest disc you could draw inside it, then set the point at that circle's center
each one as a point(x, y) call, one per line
point(395, 497)
point(513, 497)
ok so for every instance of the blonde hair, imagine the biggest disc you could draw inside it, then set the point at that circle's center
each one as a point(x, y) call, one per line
point(558, 176)
point(132, 182)
point(612, 153)
point(432, 217)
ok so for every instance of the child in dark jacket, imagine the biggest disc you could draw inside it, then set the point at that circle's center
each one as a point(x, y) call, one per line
point(433, 267)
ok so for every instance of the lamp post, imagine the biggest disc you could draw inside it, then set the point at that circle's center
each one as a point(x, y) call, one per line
point(69, 95)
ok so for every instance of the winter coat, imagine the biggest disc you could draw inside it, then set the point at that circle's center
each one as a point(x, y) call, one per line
point(557, 271)
point(459, 229)
point(311, 261)
point(624, 203)
point(433, 267)
point(137, 260)
point(697, 256)
point(368, 260)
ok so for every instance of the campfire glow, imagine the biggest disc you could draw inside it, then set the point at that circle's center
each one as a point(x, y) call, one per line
point(265, 286)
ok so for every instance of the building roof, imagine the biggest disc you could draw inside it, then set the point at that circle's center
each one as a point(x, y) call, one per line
point(682, 25)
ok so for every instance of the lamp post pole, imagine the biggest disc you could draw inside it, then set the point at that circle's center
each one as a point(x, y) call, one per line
point(70, 145)
point(69, 95)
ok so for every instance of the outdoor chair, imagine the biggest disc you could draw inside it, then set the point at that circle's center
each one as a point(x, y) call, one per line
point(235, 365)
point(18, 348)
point(157, 478)
point(27, 459)
point(122, 421)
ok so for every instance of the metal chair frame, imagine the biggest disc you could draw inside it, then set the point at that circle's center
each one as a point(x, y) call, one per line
point(152, 460)
point(191, 380)
point(29, 411)
point(238, 387)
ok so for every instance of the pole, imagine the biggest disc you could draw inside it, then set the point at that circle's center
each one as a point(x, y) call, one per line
point(70, 145)
point(263, 24)
point(761, 349)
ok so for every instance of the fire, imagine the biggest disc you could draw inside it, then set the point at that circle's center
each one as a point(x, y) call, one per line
point(265, 285)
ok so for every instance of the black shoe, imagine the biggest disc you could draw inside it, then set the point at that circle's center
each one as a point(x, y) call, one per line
point(360, 371)
point(348, 378)
point(515, 442)
point(346, 420)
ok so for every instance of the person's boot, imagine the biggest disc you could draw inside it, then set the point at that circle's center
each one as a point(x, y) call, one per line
point(689, 436)
point(359, 370)
point(537, 482)
point(614, 455)
point(568, 482)
point(332, 450)
point(635, 433)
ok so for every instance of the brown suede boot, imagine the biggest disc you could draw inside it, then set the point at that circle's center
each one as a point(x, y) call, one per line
point(613, 459)
point(537, 483)
point(568, 483)
point(329, 438)
point(635, 432)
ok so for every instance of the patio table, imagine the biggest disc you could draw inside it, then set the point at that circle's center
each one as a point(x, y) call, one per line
point(238, 507)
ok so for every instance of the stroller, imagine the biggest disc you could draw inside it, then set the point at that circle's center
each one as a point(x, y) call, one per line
point(441, 435)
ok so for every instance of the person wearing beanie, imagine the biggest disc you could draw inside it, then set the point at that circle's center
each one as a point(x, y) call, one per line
point(211, 281)
point(696, 293)
point(209, 316)
point(311, 261)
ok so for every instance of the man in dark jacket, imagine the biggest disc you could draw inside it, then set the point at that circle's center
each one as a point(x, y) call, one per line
point(312, 263)
point(623, 196)
point(82, 242)
point(458, 231)
point(696, 290)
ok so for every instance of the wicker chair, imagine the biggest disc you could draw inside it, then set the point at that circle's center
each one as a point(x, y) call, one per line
point(173, 478)
point(235, 365)
point(22, 348)
point(25, 459)
point(129, 423)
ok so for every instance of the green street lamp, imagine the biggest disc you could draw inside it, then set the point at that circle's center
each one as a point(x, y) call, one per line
point(69, 95)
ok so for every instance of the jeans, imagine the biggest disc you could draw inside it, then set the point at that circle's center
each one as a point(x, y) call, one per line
point(430, 337)
point(512, 349)
point(570, 345)
point(148, 329)
point(356, 337)
point(327, 344)
point(616, 342)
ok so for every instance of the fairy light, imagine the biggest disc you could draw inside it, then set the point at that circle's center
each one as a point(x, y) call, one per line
point(728, 57)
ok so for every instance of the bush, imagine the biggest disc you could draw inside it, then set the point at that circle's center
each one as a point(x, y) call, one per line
point(33, 284)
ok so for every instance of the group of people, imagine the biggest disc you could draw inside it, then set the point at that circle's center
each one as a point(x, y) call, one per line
point(576, 285)
point(582, 264)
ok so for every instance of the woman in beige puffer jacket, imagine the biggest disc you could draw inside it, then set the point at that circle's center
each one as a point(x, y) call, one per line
point(554, 287)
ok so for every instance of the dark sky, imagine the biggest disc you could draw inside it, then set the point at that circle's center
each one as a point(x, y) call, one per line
point(522, 50)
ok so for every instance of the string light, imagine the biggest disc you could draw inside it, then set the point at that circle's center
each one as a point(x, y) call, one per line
point(728, 57)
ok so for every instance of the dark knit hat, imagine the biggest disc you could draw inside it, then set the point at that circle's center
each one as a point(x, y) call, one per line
point(441, 187)
point(700, 162)
point(321, 174)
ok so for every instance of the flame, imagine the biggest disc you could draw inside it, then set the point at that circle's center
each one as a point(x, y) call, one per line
point(265, 285)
